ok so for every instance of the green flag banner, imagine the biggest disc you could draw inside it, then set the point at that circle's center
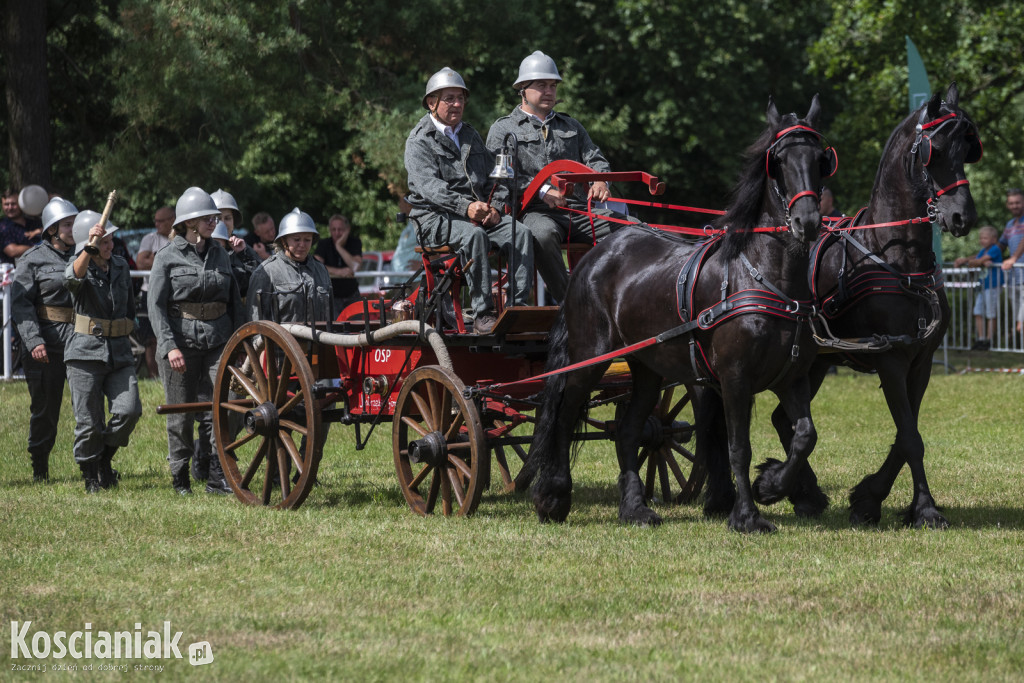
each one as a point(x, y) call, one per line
point(919, 91)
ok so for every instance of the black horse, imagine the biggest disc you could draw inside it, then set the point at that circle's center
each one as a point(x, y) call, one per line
point(744, 323)
point(881, 292)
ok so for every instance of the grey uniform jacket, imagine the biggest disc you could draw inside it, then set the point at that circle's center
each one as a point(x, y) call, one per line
point(39, 281)
point(540, 143)
point(289, 292)
point(243, 264)
point(105, 296)
point(180, 274)
point(447, 177)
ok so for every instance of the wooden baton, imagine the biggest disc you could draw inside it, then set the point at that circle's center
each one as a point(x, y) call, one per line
point(111, 198)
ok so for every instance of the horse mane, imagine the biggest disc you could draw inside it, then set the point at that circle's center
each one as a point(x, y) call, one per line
point(747, 198)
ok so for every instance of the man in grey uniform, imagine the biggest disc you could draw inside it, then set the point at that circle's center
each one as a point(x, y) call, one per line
point(448, 167)
point(98, 354)
point(44, 316)
point(544, 135)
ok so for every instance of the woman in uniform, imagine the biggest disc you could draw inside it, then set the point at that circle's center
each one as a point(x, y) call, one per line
point(98, 354)
point(43, 314)
point(194, 307)
point(291, 286)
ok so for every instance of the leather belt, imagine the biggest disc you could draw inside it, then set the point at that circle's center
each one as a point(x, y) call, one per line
point(56, 314)
point(191, 310)
point(99, 327)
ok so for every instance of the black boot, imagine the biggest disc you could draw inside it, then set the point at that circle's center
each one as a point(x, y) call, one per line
point(91, 476)
point(40, 467)
point(181, 483)
point(200, 463)
point(108, 476)
point(216, 483)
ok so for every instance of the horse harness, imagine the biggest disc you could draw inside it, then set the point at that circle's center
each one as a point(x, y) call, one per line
point(851, 289)
point(768, 300)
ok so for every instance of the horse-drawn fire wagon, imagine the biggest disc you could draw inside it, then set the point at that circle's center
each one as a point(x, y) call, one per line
point(460, 404)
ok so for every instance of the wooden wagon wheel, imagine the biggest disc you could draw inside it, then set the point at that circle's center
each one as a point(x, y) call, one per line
point(440, 451)
point(267, 462)
point(509, 459)
point(662, 452)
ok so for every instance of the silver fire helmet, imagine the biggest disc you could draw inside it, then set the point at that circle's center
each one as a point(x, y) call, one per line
point(296, 222)
point(83, 224)
point(194, 203)
point(223, 200)
point(536, 67)
point(445, 78)
point(220, 232)
point(56, 210)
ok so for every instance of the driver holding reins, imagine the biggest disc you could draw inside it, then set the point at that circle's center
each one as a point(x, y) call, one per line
point(544, 135)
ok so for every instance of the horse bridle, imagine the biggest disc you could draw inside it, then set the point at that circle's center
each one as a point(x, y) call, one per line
point(829, 166)
point(922, 151)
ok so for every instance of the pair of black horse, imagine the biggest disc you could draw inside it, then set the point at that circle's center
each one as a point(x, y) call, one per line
point(747, 307)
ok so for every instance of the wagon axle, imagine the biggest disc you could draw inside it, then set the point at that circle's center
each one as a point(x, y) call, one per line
point(262, 420)
point(432, 449)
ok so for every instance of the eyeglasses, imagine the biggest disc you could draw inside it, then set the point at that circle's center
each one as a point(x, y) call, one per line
point(452, 99)
point(212, 220)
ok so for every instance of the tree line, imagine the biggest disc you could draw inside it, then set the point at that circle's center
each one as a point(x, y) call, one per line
point(308, 104)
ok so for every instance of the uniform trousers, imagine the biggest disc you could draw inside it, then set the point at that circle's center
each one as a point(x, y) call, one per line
point(193, 385)
point(474, 242)
point(91, 381)
point(46, 389)
point(550, 231)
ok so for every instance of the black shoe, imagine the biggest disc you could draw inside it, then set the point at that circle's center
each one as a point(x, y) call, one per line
point(40, 468)
point(484, 323)
point(218, 487)
point(108, 476)
point(89, 474)
point(181, 483)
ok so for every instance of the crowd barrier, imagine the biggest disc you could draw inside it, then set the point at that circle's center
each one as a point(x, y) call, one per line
point(963, 285)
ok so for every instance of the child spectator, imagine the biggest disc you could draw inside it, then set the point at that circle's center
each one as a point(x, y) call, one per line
point(986, 305)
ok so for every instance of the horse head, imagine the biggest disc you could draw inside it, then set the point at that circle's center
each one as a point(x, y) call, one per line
point(782, 177)
point(944, 139)
point(796, 163)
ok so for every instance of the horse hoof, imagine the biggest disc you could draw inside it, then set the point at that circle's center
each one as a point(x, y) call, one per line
point(929, 518)
point(552, 509)
point(751, 524)
point(809, 503)
point(641, 517)
point(865, 516)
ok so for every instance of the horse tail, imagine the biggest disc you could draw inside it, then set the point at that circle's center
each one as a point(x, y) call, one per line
point(543, 446)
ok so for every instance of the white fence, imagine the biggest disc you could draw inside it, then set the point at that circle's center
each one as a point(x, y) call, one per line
point(963, 286)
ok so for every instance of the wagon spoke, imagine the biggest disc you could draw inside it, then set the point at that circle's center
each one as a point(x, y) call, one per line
point(665, 403)
point(282, 385)
point(651, 471)
point(238, 408)
point(454, 427)
point(270, 360)
point(499, 455)
point(431, 386)
point(415, 425)
point(254, 466)
point(676, 470)
point(241, 442)
point(244, 381)
point(456, 487)
point(257, 371)
point(683, 452)
point(435, 487)
point(666, 489)
point(414, 484)
point(445, 418)
point(290, 404)
point(446, 491)
point(425, 412)
point(282, 472)
point(291, 450)
point(674, 413)
point(461, 466)
point(268, 480)
point(294, 426)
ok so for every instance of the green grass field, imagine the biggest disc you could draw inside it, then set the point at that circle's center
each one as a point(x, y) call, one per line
point(353, 586)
